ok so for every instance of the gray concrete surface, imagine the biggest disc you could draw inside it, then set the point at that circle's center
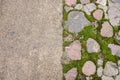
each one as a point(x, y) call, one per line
point(30, 39)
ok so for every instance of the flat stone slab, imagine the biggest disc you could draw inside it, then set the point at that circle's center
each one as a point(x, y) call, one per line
point(77, 21)
point(30, 40)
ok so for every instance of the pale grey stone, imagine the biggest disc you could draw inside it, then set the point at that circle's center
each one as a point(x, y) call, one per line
point(116, 1)
point(115, 49)
point(114, 13)
point(88, 8)
point(79, 6)
point(100, 71)
point(102, 2)
point(110, 69)
point(117, 77)
point(92, 46)
point(85, 1)
point(100, 62)
point(68, 8)
point(77, 21)
point(107, 78)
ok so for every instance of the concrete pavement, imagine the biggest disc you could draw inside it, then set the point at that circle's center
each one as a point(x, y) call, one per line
point(30, 39)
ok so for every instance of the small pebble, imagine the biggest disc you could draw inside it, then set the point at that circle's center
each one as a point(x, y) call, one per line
point(89, 68)
point(98, 14)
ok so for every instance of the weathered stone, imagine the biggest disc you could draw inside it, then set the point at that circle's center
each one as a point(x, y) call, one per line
point(79, 6)
point(106, 30)
point(116, 1)
point(102, 2)
point(88, 8)
point(74, 50)
point(70, 2)
point(77, 21)
point(98, 14)
point(114, 13)
point(89, 68)
point(68, 8)
point(92, 46)
point(71, 74)
point(115, 49)
point(117, 77)
point(105, 9)
point(110, 69)
point(100, 71)
point(107, 78)
point(100, 62)
point(85, 1)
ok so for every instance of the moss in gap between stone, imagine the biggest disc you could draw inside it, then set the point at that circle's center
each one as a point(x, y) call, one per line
point(89, 17)
point(92, 56)
point(88, 32)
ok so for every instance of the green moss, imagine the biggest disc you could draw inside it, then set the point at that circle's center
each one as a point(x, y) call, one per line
point(78, 1)
point(66, 33)
point(107, 4)
point(115, 28)
point(90, 32)
point(87, 32)
point(90, 17)
point(65, 14)
point(67, 43)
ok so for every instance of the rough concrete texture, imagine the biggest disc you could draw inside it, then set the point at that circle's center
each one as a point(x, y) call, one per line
point(30, 40)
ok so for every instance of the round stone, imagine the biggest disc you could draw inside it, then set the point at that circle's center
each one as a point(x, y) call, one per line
point(98, 14)
point(92, 46)
point(89, 68)
point(70, 2)
point(106, 30)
